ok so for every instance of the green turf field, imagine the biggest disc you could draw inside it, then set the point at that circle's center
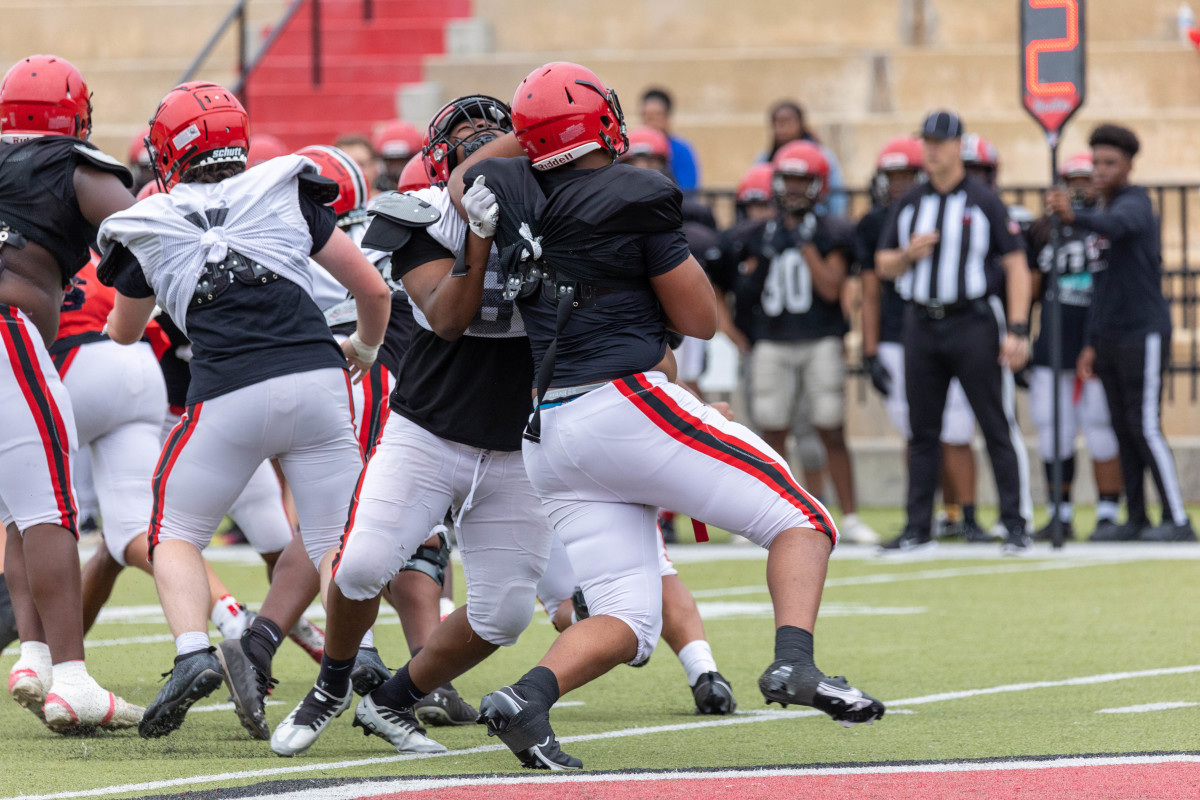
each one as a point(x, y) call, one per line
point(924, 635)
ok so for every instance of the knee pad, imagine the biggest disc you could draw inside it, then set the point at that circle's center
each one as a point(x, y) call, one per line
point(502, 620)
point(431, 561)
point(366, 561)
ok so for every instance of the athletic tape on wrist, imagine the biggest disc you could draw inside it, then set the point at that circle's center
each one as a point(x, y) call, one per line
point(363, 351)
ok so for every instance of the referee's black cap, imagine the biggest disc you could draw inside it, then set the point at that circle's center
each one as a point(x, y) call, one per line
point(942, 125)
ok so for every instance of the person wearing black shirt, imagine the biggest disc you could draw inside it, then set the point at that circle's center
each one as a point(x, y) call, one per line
point(1083, 407)
point(225, 251)
point(1128, 340)
point(597, 257)
point(55, 189)
point(941, 245)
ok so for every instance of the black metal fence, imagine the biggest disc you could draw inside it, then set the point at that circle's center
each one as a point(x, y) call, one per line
point(1178, 207)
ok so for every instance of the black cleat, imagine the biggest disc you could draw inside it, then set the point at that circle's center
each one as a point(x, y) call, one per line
point(8, 619)
point(369, 672)
point(1125, 532)
point(713, 694)
point(788, 683)
point(1169, 532)
point(1016, 543)
point(910, 540)
point(973, 534)
point(193, 678)
point(524, 729)
point(1046, 532)
point(444, 706)
point(247, 688)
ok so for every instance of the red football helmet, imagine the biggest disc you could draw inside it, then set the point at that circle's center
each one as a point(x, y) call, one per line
point(979, 152)
point(755, 185)
point(803, 159)
point(139, 151)
point(647, 141)
point(397, 139)
point(414, 176)
point(440, 152)
point(351, 203)
point(562, 111)
point(147, 190)
point(197, 124)
point(44, 95)
point(1077, 166)
point(264, 148)
point(902, 153)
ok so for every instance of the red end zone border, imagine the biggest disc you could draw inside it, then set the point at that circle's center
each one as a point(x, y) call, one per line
point(1143, 777)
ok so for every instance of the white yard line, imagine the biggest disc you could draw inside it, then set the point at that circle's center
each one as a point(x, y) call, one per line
point(741, 718)
point(1142, 709)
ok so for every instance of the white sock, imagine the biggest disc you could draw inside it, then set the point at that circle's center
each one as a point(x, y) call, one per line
point(190, 642)
point(1106, 510)
point(368, 639)
point(697, 659)
point(229, 617)
point(67, 673)
point(36, 656)
point(445, 607)
point(1066, 512)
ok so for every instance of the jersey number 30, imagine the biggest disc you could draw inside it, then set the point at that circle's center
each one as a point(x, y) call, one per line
point(789, 285)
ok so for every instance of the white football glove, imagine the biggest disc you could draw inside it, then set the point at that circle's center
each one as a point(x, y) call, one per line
point(483, 212)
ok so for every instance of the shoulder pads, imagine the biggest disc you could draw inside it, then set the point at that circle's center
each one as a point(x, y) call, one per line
point(104, 161)
point(106, 269)
point(318, 188)
point(393, 218)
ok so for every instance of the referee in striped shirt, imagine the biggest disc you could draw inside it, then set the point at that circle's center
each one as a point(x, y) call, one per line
point(950, 246)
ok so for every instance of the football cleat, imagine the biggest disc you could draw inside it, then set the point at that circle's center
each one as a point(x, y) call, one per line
point(713, 694)
point(444, 706)
point(247, 688)
point(193, 678)
point(1016, 542)
point(525, 730)
point(399, 728)
point(84, 706)
point(788, 683)
point(29, 683)
point(310, 638)
point(369, 672)
point(300, 729)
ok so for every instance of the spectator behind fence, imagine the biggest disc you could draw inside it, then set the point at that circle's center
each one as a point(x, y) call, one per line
point(1128, 341)
point(657, 108)
point(937, 245)
point(788, 124)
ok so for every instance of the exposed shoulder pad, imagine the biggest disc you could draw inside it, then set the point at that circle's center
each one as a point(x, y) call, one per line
point(318, 188)
point(106, 269)
point(101, 160)
point(394, 216)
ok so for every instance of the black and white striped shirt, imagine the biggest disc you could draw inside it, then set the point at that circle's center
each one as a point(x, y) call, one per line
point(975, 230)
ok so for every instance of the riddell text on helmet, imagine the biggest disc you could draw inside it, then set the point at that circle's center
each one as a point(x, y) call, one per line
point(556, 161)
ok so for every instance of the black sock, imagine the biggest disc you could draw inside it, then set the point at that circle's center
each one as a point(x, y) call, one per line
point(399, 691)
point(335, 675)
point(968, 512)
point(794, 644)
point(539, 686)
point(260, 641)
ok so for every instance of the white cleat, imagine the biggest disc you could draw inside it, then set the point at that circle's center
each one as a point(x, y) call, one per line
point(301, 728)
point(855, 531)
point(29, 683)
point(399, 728)
point(83, 706)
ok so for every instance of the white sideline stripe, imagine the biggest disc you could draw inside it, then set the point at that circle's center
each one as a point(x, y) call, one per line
point(227, 706)
point(899, 577)
point(740, 718)
point(351, 791)
point(711, 611)
point(1146, 707)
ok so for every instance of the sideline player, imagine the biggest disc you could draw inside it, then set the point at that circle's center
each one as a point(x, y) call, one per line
point(452, 441)
point(55, 189)
point(612, 438)
point(1082, 405)
point(225, 251)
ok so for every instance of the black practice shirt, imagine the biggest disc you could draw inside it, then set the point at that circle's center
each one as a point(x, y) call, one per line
point(891, 304)
point(473, 390)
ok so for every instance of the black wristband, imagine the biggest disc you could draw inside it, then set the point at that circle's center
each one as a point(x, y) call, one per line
point(1020, 329)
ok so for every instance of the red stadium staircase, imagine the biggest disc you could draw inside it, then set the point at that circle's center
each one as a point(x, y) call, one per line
point(310, 89)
